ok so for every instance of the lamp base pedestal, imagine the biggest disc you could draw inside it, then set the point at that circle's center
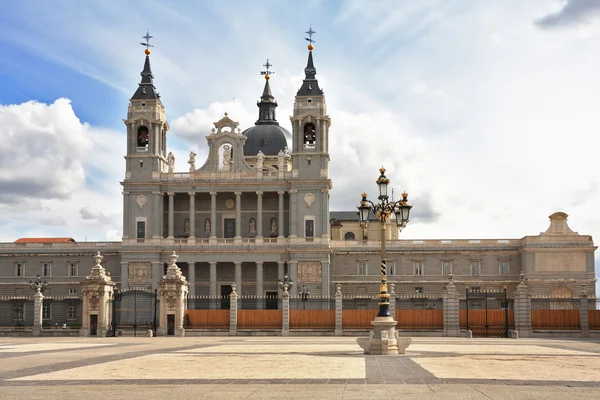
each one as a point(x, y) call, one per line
point(384, 339)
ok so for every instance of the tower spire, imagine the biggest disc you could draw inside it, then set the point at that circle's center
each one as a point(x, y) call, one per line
point(267, 103)
point(146, 89)
point(310, 85)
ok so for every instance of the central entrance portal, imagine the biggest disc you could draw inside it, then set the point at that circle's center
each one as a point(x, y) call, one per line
point(229, 227)
point(225, 292)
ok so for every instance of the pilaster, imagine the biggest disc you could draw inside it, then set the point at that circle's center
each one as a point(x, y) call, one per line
point(212, 279)
point(192, 280)
point(238, 219)
point(285, 311)
point(259, 217)
point(213, 217)
point(171, 214)
point(192, 217)
point(338, 310)
point(451, 309)
point(238, 276)
point(233, 303)
point(38, 300)
point(583, 313)
point(126, 215)
point(522, 310)
point(325, 265)
point(280, 222)
point(293, 214)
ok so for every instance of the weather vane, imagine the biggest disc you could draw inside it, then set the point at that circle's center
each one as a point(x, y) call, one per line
point(310, 32)
point(267, 72)
point(147, 42)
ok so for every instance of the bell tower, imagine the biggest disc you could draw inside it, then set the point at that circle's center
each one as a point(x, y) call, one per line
point(310, 156)
point(146, 128)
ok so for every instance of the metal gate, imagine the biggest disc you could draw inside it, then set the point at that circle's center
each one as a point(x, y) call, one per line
point(488, 313)
point(134, 310)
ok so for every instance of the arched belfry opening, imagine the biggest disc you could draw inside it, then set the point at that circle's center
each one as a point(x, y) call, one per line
point(142, 136)
point(310, 135)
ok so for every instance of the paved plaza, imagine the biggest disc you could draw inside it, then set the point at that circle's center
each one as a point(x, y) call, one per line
point(295, 367)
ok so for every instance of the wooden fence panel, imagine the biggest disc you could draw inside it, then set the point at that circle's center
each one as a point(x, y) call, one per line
point(207, 319)
point(312, 319)
point(420, 319)
point(594, 319)
point(259, 319)
point(357, 319)
point(555, 319)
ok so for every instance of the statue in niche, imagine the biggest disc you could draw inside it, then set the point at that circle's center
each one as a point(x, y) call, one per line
point(171, 162)
point(227, 161)
point(207, 225)
point(260, 160)
point(192, 161)
point(186, 226)
point(274, 227)
point(252, 225)
point(280, 160)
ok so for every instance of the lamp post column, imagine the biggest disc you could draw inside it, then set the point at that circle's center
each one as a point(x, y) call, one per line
point(384, 297)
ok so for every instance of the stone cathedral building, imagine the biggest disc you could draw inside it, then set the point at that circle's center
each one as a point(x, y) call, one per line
point(257, 209)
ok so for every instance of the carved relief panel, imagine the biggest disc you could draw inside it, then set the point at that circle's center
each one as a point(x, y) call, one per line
point(309, 271)
point(140, 273)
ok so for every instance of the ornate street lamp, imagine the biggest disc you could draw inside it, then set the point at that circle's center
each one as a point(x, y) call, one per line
point(38, 285)
point(286, 282)
point(304, 293)
point(383, 209)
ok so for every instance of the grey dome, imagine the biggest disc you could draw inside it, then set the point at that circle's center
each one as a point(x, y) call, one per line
point(269, 139)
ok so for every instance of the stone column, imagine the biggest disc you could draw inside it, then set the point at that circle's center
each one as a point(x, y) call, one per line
point(97, 291)
point(192, 237)
point(38, 304)
point(157, 231)
point(338, 310)
point(583, 313)
point(238, 216)
point(280, 269)
point(238, 276)
point(157, 273)
point(451, 310)
point(293, 214)
point(324, 216)
point(293, 271)
point(259, 281)
point(124, 275)
point(192, 280)
point(233, 299)
point(325, 279)
point(522, 309)
point(285, 311)
point(213, 216)
point(173, 291)
point(392, 300)
point(259, 216)
point(280, 222)
point(171, 214)
point(126, 211)
point(212, 283)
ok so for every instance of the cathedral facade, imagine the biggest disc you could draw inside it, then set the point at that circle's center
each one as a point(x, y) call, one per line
point(256, 212)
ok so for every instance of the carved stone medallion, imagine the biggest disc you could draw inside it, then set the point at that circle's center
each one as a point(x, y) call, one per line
point(309, 198)
point(309, 271)
point(141, 201)
point(140, 273)
point(229, 203)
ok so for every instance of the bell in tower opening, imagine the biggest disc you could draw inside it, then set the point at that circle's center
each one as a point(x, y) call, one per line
point(142, 137)
point(310, 135)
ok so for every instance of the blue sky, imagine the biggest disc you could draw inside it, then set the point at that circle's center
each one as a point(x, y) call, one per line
point(488, 110)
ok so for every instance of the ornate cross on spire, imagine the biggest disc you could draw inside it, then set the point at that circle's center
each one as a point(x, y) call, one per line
point(310, 32)
point(267, 72)
point(147, 42)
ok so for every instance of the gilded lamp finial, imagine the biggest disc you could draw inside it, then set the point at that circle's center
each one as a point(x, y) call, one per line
point(310, 32)
point(147, 43)
point(267, 73)
point(382, 170)
point(364, 194)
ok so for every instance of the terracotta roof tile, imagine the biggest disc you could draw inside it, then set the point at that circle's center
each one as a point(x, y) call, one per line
point(45, 240)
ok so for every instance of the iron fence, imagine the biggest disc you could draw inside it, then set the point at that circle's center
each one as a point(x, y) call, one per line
point(360, 303)
point(16, 311)
point(134, 309)
point(555, 303)
point(311, 303)
point(208, 303)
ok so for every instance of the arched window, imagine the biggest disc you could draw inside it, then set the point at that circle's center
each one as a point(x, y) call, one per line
point(349, 236)
point(310, 134)
point(142, 136)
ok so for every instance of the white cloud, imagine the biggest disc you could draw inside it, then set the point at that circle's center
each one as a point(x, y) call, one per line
point(52, 165)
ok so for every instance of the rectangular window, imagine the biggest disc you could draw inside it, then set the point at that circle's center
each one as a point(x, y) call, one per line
point(475, 267)
point(19, 270)
point(418, 289)
point(18, 312)
point(446, 267)
point(362, 268)
point(141, 229)
point(72, 290)
point(45, 310)
point(309, 228)
point(391, 268)
point(46, 269)
point(72, 269)
point(419, 266)
point(72, 311)
point(503, 267)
